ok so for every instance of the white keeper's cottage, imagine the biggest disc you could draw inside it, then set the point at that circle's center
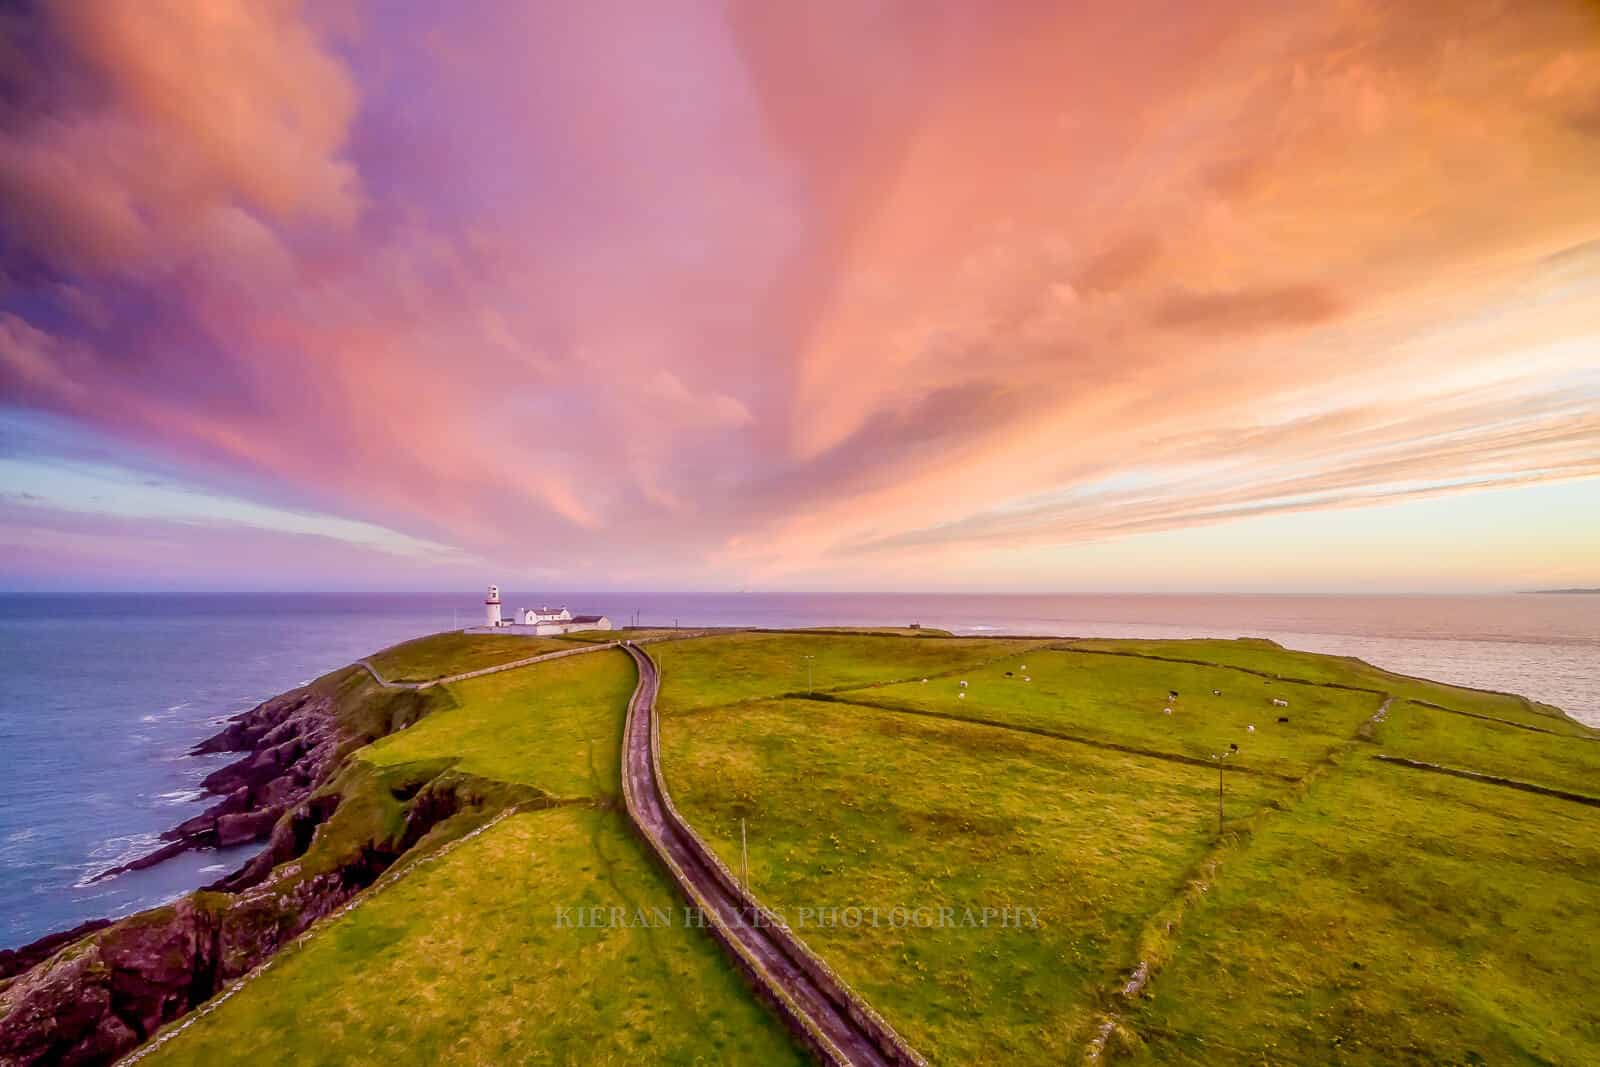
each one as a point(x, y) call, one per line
point(534, 622)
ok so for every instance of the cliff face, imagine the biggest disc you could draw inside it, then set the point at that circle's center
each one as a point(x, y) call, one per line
point(290, 741)
point(334, 825)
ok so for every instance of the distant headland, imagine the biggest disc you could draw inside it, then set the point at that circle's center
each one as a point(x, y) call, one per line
point(1564, 592)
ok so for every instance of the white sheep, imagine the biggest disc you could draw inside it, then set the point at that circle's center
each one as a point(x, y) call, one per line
point(924, 681)
point(961, 696)
point(963, 683)
point(1250, 729)
point(1279, 703)
point(1166, 711)
point(1027, 678)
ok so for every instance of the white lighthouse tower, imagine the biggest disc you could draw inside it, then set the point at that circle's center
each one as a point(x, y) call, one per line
point(491, 606)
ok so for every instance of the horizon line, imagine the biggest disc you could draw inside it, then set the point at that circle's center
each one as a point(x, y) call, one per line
point(1578, 590)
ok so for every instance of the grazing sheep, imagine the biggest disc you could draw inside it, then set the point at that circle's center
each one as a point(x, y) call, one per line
point(1027, 678)
point(924, 681)
point(1023, 667)
point(963, 683)
point(1278, 702)
point(1166, 711)
point(1172, 694)
point(961, 696)
point(1008, 674)
point(1216, 692)
point(1233, 746)
point(1250, 729)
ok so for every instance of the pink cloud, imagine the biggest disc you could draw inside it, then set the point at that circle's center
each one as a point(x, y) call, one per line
point(174, 128)
point(742, 285)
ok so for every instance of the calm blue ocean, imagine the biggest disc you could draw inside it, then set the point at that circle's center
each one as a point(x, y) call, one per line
point(102, 695)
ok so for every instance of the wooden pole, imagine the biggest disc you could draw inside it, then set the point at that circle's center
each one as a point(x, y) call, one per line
point(1219, 798)
point(744, 852)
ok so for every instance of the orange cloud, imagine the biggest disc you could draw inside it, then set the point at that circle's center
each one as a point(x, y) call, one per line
point(174, 119)
point(752, 290)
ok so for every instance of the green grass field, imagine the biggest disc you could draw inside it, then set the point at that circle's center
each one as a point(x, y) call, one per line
point(745, 666)
point(1353, 912)
point(626, 633)
point(894, 631)
point(465, 961)
point(555, 726)
point(847, 806)
point(1423, 733)
point(1393, 917)
point(442, 655)
point(1347, 911)
point(1123, 700)
point(1264, 656)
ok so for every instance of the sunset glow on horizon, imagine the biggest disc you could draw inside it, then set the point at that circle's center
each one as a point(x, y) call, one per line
point(706, 295)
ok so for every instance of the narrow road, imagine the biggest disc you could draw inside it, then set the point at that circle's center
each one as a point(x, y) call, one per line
point(839, 1027)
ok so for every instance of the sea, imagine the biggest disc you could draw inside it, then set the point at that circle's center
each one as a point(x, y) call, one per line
point(102, 696)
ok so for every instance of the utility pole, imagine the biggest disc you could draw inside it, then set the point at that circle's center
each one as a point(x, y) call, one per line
point(808, 660)
point(1219, 798)
point(1219, 757)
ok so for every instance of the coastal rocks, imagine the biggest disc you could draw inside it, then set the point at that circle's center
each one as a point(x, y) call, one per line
point(257, 769)
point(287, 838)
point(102, 1043)
point(101, 995)
point(246, 826)
point(333, 826)
point(15, 961)
point(291, 741)
point(236, 801)
point(111, 990)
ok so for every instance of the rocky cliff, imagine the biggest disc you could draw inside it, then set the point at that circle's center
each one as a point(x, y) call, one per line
point(333, 824)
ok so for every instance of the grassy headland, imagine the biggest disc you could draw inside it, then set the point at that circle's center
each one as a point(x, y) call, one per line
point(464, 959)
point(443, 655)
point(1049, 831)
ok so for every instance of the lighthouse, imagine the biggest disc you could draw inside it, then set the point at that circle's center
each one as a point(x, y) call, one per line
point(491, 607)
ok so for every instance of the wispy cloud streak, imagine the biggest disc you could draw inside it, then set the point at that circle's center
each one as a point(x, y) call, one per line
point(742, 293)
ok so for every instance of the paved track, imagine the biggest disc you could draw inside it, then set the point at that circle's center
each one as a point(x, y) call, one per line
point(802, 989)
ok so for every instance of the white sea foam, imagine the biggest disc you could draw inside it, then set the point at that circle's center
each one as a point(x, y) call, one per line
point(114, 852)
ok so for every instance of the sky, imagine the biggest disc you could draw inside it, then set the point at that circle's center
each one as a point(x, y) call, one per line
point(975, 295)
